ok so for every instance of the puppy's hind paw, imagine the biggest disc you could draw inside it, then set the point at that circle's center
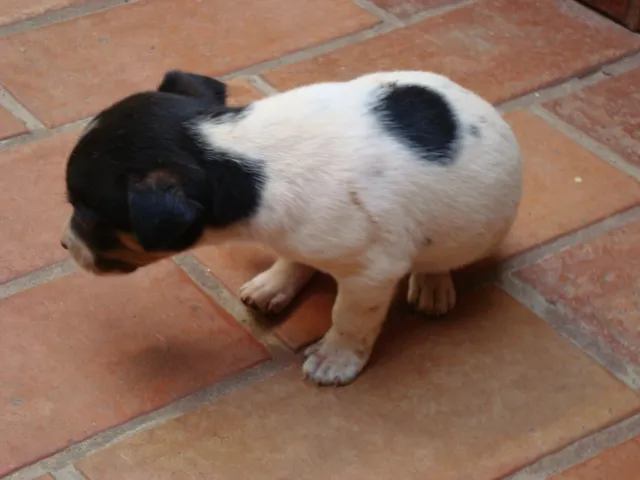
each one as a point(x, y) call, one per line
point(432, 294)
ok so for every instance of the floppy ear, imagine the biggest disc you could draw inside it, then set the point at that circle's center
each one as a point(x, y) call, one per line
point(161, 212)
point(194, 85)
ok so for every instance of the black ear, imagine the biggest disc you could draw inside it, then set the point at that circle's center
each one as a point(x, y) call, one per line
point(194, 85)
point(163, 218)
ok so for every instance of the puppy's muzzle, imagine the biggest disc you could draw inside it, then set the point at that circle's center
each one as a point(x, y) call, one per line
point(90, 261)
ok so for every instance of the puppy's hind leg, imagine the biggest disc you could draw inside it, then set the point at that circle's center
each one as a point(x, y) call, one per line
point(272, 290)
point(431, 293)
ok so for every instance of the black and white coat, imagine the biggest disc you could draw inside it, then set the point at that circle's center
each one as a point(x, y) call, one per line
point(388, 174)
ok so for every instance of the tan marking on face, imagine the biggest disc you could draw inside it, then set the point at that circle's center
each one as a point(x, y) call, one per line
point(139, 259)
point(133, 252)
point(129, 241)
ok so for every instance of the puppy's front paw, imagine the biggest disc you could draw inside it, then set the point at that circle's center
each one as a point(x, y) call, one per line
point(267, 293)
point(432, 294)
point(273, 290)
point(329, 363)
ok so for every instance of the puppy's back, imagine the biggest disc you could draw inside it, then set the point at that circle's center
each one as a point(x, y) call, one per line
point(419, 154)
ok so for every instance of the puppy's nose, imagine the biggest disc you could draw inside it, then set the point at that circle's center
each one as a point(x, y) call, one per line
point(64, 245)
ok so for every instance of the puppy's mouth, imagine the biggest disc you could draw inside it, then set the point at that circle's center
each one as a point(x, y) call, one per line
point(109, 266)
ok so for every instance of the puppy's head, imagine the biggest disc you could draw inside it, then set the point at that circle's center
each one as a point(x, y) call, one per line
point(136, 178)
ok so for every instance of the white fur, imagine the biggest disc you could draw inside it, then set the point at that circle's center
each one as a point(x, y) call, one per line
point(345, 197)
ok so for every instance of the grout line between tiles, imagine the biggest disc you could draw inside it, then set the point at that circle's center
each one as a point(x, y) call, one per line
point(247, 318)
point(109, 437)
point(381, 13)
point(10, 103)
point(570, 85)
point(592, 345)
point(311, 52)
point(389, 23)
point(583, 235)
point(24, 139)
point(567, 85)
point(260, 84)
point(253, 75)
point(37, 135)
point(61, 15)
point(72, 125)
point(530, 100)
point(623, 65)
point(433, 12)
point(68, 473)
point(580, 450)
point(38, 277)
point(584, 140)
point(551, 247)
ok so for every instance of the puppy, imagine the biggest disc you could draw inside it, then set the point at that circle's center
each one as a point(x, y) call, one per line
point(367, 180)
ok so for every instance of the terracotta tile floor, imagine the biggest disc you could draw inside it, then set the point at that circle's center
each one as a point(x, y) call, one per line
point(165, 375)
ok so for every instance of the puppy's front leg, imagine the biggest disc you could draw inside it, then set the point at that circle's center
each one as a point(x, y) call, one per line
point(272, 290)
point(358, 315)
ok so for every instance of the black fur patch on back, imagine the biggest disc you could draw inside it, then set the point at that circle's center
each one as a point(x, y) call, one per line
point(421, 119)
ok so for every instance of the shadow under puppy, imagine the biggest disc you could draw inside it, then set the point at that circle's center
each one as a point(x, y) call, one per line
point(366, 180)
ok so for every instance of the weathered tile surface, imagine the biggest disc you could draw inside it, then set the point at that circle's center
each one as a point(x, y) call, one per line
point(566, 187)
point(498, 48)
point(406, 8)
point(473, 397)
point(33, 207)
point(618, 463)
point(15, 10)
point(10, 125)
point(608, 111)
point(597, 286)
point(73, 69)
point(82, 354)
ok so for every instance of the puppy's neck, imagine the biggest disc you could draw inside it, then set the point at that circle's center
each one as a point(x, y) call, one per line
point(234, 182)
